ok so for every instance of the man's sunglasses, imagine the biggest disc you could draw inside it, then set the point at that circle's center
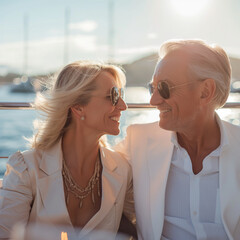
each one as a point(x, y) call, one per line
point(164, 88)
point(115, 94)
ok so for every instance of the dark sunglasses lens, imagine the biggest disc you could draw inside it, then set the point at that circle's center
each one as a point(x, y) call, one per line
point(114, 95)
point(150, 88)
point(163, 90)
point(122, 93)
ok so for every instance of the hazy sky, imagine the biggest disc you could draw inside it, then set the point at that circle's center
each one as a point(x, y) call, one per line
point(138, 29)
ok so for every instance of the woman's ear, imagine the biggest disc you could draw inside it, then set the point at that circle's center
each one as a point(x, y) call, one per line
point(208, 90)
point(77, 110)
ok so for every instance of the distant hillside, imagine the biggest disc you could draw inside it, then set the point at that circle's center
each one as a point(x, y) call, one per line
point(8, 78)
point(139, 72)
point(235, 63)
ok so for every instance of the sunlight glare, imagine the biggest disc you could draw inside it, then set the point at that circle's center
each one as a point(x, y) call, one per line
point(189, 7)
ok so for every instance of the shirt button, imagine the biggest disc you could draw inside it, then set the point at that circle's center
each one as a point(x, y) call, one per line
point(194, 213)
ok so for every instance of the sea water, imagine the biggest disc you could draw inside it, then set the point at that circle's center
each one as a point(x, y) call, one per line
point(17, 124)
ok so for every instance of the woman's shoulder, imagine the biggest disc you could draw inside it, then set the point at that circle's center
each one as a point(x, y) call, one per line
point(113, 158)
point(109, 152)
point(16, 161)
point(17, 172)
point(23, 160)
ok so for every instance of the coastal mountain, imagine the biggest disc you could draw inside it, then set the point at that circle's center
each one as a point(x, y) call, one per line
point(235, 63)
point(8, 78)
point(139, 72)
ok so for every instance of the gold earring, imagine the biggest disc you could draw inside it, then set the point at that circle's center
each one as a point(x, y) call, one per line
point(82, 118)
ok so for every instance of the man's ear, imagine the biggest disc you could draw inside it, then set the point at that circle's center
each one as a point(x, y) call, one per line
point(208, 90)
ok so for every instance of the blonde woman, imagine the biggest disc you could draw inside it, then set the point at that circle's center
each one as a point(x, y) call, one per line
point(69, 177)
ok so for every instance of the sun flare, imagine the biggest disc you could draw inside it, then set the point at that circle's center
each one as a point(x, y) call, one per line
point(64, 236)
point(189, 7)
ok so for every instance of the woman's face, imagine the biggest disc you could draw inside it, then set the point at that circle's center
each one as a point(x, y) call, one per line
point(101, 117)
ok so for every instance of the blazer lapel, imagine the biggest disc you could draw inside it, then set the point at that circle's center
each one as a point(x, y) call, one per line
point(111, 186)
point(50, 186)
point(229, 188)
point(160, 149)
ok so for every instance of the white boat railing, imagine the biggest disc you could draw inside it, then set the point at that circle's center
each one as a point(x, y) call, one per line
point(29, 106)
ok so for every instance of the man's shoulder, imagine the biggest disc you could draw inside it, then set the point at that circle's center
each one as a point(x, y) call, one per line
point(231, 129)
point(147, 129)
point(153, 126)
point(231, 125)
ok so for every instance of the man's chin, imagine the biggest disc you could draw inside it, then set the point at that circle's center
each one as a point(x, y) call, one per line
point(164, 126)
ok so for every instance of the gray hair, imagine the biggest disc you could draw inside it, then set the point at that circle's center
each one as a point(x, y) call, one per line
point(206, 61)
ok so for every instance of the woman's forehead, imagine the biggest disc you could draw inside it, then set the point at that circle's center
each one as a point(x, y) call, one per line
point(105, 81)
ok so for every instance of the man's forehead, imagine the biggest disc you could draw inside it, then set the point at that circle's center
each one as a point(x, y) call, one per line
point(171, 63)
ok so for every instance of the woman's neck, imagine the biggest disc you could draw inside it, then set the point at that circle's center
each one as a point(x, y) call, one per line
point(80, 152)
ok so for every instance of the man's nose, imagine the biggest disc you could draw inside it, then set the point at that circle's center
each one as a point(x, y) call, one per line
point(156, 99)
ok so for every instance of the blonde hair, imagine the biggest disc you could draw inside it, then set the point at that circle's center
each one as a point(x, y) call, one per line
point(73, 85)
point(206, 61)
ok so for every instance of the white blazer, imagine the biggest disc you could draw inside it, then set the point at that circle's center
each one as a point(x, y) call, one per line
point(148, 148)
point(32, 191)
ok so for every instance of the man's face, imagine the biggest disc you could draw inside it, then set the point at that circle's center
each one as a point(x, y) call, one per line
point(180, 110)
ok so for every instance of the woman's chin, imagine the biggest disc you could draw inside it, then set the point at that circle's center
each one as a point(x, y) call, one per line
point(114, 132)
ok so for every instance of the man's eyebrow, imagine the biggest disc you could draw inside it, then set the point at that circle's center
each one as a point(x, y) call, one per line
point(164, 80)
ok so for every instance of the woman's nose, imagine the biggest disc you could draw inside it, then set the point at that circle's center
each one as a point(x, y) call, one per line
point(121, 105)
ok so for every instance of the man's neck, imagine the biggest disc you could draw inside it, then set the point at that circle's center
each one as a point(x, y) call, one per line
point(200, 143)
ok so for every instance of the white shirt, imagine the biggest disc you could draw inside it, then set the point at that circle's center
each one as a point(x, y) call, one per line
point(192, 202)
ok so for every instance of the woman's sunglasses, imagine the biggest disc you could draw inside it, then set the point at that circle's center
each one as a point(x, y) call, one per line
point(115, 94)
point(164, 89)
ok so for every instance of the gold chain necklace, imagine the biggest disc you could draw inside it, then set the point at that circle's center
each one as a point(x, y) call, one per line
point(79, 192)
